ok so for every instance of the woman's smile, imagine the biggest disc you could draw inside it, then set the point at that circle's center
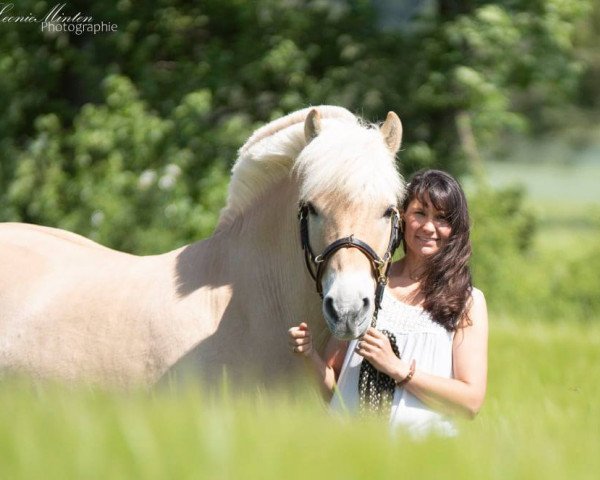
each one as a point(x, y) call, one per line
point(425, 239)
point(426, 228)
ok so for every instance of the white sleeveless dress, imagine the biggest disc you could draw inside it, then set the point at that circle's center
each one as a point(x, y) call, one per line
point(418, 337)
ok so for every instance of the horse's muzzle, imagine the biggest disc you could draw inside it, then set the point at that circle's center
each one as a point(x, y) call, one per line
point(347, 318)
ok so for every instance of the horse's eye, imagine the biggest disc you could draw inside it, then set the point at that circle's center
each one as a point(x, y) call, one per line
point(311, 208)
point(388, 212)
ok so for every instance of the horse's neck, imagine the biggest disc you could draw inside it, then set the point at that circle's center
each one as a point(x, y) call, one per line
point(266, 257)
point(253, 269)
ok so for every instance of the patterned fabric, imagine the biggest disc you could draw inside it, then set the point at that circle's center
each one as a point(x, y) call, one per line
point(376, 389)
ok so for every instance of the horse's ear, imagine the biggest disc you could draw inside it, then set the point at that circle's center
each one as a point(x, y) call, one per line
point(312, 125)
point(392, 132)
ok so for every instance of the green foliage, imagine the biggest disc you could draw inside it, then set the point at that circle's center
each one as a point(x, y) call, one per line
point(502, 230)
point(121, 165)
point(264, 58)
point(586, 41)
point(508, 64)
point(522, 279)
point(574, 285)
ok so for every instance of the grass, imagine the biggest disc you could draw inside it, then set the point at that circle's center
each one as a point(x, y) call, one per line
point(540, 421)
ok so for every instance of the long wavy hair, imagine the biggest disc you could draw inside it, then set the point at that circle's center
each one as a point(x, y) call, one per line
point(446, 280)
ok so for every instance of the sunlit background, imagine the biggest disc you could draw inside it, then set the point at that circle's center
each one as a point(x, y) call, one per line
point(128, 136)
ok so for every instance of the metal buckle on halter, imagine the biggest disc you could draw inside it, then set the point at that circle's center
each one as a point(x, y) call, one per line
point(382, 270)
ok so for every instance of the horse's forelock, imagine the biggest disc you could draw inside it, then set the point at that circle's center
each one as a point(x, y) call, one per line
point(349, 160)
point(350, 163)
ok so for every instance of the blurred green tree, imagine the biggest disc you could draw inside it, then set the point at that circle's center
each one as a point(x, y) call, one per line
point(121, 165)
point(127, 137)
point(587, 39)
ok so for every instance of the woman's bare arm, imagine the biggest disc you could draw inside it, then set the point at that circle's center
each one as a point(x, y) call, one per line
point(462, 394)
point(326, 369)
point(465, 392)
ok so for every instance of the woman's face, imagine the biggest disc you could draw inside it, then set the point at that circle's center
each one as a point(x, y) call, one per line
point(425, 228)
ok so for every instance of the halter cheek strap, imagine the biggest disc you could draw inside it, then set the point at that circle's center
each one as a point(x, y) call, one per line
point(380, 266)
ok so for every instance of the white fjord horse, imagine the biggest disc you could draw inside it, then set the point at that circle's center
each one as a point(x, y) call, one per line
point(73, 310)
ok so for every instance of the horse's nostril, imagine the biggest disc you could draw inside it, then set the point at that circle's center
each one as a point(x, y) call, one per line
point(330, 309)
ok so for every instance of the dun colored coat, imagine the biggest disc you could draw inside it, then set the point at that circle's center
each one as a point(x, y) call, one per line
point(74, 310)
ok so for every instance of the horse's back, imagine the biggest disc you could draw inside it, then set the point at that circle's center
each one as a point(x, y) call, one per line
point(35, 259)
point(30, 236)
point(66, 305)
point(32, 253)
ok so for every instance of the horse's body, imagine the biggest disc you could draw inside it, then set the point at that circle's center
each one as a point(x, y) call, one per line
point(72, 309)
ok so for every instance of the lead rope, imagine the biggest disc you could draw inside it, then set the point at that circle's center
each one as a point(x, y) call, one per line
point(376, 389)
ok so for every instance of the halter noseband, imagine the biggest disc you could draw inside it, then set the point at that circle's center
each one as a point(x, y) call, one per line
point(316, 264)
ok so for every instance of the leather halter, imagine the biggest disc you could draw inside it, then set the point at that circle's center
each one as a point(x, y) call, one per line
point(380, 266)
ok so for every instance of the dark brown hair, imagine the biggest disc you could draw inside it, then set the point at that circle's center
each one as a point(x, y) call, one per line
point(446, 281)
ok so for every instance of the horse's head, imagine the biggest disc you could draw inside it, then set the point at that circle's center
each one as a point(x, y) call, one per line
point(349, 189)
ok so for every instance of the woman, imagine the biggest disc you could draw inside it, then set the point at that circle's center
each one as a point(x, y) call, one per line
point(430, 311)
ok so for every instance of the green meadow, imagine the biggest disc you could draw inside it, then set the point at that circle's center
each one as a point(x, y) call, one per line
point(541, 418)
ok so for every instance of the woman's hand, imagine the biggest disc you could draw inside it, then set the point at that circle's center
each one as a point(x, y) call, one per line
point(300, 340)
point(376, 348)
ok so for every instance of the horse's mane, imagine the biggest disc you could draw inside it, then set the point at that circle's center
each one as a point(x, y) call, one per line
point(277, 150)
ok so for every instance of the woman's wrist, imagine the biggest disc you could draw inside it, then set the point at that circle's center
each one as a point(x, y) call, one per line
point(401, 371)
point(313, 356)
point(407, 374)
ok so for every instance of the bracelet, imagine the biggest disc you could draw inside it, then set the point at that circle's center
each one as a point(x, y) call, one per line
point(411, 372)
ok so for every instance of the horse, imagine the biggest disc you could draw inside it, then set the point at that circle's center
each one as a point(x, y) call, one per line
point(76, 311)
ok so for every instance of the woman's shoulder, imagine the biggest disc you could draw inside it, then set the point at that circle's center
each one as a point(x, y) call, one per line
point(477, 297)
point(476, 309)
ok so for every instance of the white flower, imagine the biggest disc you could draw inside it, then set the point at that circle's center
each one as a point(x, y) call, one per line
point(147, 178)
point(97, 218)
point(169, 179)
point(166, 182)
point(171, 210)
point(172, 170)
